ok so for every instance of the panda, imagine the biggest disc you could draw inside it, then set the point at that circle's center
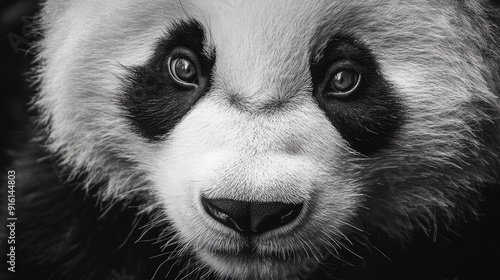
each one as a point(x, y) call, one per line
point(240, 140)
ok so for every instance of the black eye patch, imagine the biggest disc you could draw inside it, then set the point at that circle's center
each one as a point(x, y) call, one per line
point(369, 117)
point(154, 100)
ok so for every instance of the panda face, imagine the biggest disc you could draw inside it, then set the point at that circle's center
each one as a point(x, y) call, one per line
point(270, 132)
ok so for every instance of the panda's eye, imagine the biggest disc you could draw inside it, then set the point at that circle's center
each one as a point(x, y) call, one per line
point(342, 82)
point(183, 67)
point(183, 70)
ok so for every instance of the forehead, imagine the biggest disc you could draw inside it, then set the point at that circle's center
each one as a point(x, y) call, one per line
point(291, 25)
point(239, 23)
point(261, 44)
point(262, 33)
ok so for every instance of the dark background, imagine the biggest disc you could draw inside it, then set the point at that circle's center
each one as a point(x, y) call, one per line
point(16, 38)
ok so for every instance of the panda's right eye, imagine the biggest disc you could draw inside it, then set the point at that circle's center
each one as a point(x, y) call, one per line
point(184, 67)
point(342, 83)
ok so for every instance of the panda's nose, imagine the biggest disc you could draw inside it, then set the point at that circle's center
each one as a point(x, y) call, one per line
point(251, 217)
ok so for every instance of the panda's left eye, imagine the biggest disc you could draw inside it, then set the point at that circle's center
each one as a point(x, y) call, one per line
point(183, 67)
point(183, 70)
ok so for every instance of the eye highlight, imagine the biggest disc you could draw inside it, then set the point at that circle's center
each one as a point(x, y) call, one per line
point(342, 82)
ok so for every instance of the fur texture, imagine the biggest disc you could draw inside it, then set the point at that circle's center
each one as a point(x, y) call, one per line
point(261, 133)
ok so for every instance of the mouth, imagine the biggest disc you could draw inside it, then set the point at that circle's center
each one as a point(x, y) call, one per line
point(252, 250)
point(250, 264)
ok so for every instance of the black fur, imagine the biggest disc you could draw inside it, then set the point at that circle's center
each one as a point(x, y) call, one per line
point(370, 117)
point(153, 102)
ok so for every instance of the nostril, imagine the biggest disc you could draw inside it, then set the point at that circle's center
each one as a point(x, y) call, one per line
point(251, 217)
point(213, 210)
point(231, 213)
point(218, 215)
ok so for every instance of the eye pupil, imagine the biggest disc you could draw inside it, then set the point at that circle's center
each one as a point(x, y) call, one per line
point(183, 70)
point(344, 80)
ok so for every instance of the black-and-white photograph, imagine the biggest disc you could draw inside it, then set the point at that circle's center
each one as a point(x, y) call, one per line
point(250, 140)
